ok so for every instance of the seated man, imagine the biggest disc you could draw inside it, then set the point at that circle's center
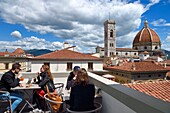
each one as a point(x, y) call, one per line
point(9, 81)
point(72, 77)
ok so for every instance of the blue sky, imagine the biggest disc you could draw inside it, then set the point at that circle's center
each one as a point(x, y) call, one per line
point(48, 24)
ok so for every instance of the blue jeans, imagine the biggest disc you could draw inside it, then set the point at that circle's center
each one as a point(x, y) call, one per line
point(16, 98)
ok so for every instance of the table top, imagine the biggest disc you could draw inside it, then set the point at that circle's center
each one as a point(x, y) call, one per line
point(27, 87)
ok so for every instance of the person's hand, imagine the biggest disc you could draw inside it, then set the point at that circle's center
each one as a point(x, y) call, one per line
point(20, 85)
point(75, 77)
point(20, 75)
point(37, 73)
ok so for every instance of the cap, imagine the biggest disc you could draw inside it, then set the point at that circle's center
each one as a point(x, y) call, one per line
point(76, 68)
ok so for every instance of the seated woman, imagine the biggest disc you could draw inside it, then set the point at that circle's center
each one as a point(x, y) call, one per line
point(46, 80)
point(82, 93)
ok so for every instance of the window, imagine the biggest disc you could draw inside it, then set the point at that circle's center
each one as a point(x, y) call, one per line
point(126, 54)
point(116, 53)
point(111, 45)
point(134, 53)
point(111, 53)
point(90, 65)
point(138, 76)
point(145, 47)
point(149, 75)
point(156, 47)
point(6, 65)
point(105, 53)
point(111, 33)
point(69, 66)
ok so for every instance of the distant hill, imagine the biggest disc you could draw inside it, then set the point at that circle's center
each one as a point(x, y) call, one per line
point(37, 52)
point(168, 53)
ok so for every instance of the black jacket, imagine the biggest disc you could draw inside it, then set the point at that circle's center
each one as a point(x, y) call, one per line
point(70, 80)
point(45, 80)
point(8, 81)
point(82, 97)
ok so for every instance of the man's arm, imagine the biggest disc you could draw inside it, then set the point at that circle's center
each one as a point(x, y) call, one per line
point(10, 81)
point(70, 81)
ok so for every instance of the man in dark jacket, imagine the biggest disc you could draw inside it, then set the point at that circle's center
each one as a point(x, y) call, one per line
point(71, 77)
point(9, 81)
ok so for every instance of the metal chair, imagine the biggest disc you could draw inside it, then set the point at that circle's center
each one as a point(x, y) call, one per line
point(5, 98)
point(97, 110)
point(59, 88)
point(49, 103)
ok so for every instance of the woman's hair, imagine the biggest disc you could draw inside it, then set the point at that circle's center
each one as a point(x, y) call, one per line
point(47, 69)
point(82, 77)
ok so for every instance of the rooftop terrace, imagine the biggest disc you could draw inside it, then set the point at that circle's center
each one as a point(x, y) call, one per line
point(117, 98)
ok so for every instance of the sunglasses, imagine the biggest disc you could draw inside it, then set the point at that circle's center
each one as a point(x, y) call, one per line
point(19, 69)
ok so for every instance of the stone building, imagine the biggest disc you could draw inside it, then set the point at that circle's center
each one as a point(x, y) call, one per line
point(137, 72)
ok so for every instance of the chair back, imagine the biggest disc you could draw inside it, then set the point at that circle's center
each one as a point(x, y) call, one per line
point(54, 104)
point(59, 88)
point(97, 110)
point(5, 98)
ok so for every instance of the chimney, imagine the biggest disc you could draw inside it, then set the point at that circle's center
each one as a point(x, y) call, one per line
point(133, 67)
point(165, 65)
point(66, 45)
point(6, 50)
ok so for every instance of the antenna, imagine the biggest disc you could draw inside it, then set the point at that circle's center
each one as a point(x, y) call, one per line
point(109, 15)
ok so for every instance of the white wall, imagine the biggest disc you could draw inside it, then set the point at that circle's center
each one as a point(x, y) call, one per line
point(111, 105)
point(61, 66)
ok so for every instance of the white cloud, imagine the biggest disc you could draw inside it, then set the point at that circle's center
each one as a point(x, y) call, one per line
point(79, 21)
point(168, 38)
point(16, 34)
point(152, 2)
point(30, 43)
point(160, 22)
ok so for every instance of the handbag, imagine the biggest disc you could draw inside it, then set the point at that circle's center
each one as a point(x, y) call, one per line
point(54, 97)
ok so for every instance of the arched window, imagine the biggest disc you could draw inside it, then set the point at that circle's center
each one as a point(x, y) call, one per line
point(126, 54)
point(149, 75)
point(111, 33)
point(156, 47)
point(134, 53)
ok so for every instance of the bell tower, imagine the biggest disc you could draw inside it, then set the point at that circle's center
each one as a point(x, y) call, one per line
point(109, 38)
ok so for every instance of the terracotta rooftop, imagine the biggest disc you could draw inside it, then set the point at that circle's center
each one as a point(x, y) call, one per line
point(138, 67)
point(158, 89)
point(19, 51)
point(67, 54)
point(146, 35)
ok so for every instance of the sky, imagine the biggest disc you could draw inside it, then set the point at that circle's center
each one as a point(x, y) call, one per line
point(47, 24)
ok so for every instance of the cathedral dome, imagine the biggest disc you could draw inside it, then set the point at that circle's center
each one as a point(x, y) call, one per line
point(19, 51)
point(145, 37)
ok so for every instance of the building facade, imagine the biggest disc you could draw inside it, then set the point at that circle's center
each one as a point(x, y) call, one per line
point(64, 60)
point(8, 58)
